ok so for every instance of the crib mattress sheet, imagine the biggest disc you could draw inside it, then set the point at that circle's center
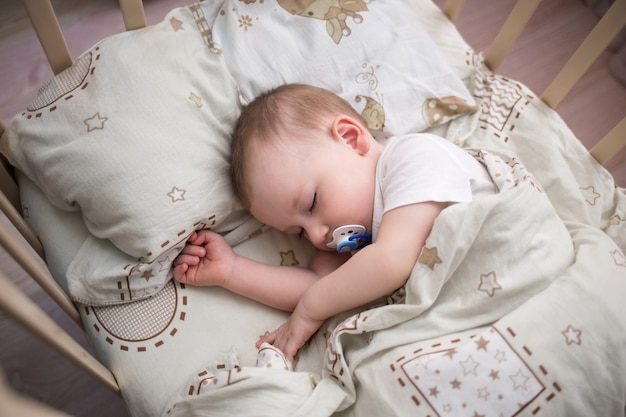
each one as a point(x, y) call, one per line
point(190, 351)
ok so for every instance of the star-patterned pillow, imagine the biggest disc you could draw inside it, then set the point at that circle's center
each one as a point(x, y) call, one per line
point(375, 55)
point(136, 136)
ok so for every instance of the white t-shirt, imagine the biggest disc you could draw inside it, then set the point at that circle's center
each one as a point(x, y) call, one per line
point(423, 167)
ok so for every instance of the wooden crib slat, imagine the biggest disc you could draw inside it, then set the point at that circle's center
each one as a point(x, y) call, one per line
point(611, 144)
point(33, 266)
point(134, 16)
point(510, 31)
point(49, 33)
point(20, 224)
point(26, 312)
point(7, 184)
point(51, 38)
point(9, 198)
point(594, 44)
point(452, 9)
point(11, 207)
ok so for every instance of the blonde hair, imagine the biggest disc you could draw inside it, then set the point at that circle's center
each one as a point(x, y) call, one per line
point(291, 108)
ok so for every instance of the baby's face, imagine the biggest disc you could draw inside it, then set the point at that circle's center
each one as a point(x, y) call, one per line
point(302, 188)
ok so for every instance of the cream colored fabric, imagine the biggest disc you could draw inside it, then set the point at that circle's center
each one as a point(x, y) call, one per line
point(143, 156)
point(514, 121)
point(161, 348)
point(135, 136)
point(543, 358)
point(373, 54)
point(499, 317)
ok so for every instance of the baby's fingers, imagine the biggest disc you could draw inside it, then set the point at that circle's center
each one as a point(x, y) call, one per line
point(194, 250)
point(179, 271)
point(266, 338)
point(188, 260)
point(279, 343)
point(202, 237)
point(289, 350)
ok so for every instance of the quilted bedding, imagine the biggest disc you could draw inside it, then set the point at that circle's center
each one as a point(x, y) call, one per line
point(488, 324)
point(514, 309)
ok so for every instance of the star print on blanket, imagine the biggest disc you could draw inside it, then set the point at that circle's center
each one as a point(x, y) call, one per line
point(493, 329)
point(492, 255)
point(534, 361)
point(477, 372)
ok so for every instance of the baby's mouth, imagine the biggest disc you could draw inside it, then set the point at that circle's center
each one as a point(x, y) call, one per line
point(348, 236)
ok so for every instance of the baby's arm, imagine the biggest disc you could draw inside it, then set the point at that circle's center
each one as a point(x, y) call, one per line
point(207, 259)
point(373, 272)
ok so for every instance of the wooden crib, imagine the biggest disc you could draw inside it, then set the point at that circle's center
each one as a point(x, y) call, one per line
point(31, 254)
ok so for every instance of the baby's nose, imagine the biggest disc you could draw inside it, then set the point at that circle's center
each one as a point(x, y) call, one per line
point(319, 235)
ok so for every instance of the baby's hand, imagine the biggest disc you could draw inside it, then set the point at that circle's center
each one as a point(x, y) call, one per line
point(292, 335)
point(206, 259)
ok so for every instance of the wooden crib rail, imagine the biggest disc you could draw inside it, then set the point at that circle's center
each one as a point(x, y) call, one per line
point(594, 44)
point(509, 33)
point(134, 16)
point(35, 269)
point(48, 31)
point(611, 144)
point(12, 300)
point(22, 309)
point(14, 216)
point(29, 315)
point(7, 183)
point(452, 9)
point(613, 21)
point(46, 25)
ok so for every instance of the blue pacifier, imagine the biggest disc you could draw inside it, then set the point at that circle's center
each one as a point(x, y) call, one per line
point(349, 238)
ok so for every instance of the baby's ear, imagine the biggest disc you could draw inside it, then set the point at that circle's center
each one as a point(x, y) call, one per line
point(352, 133)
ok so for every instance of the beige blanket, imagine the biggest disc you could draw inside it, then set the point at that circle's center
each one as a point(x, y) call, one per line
point(458, 338)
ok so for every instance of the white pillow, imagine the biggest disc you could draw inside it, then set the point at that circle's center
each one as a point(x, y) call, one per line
point(135, 135)
point(377, 56)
